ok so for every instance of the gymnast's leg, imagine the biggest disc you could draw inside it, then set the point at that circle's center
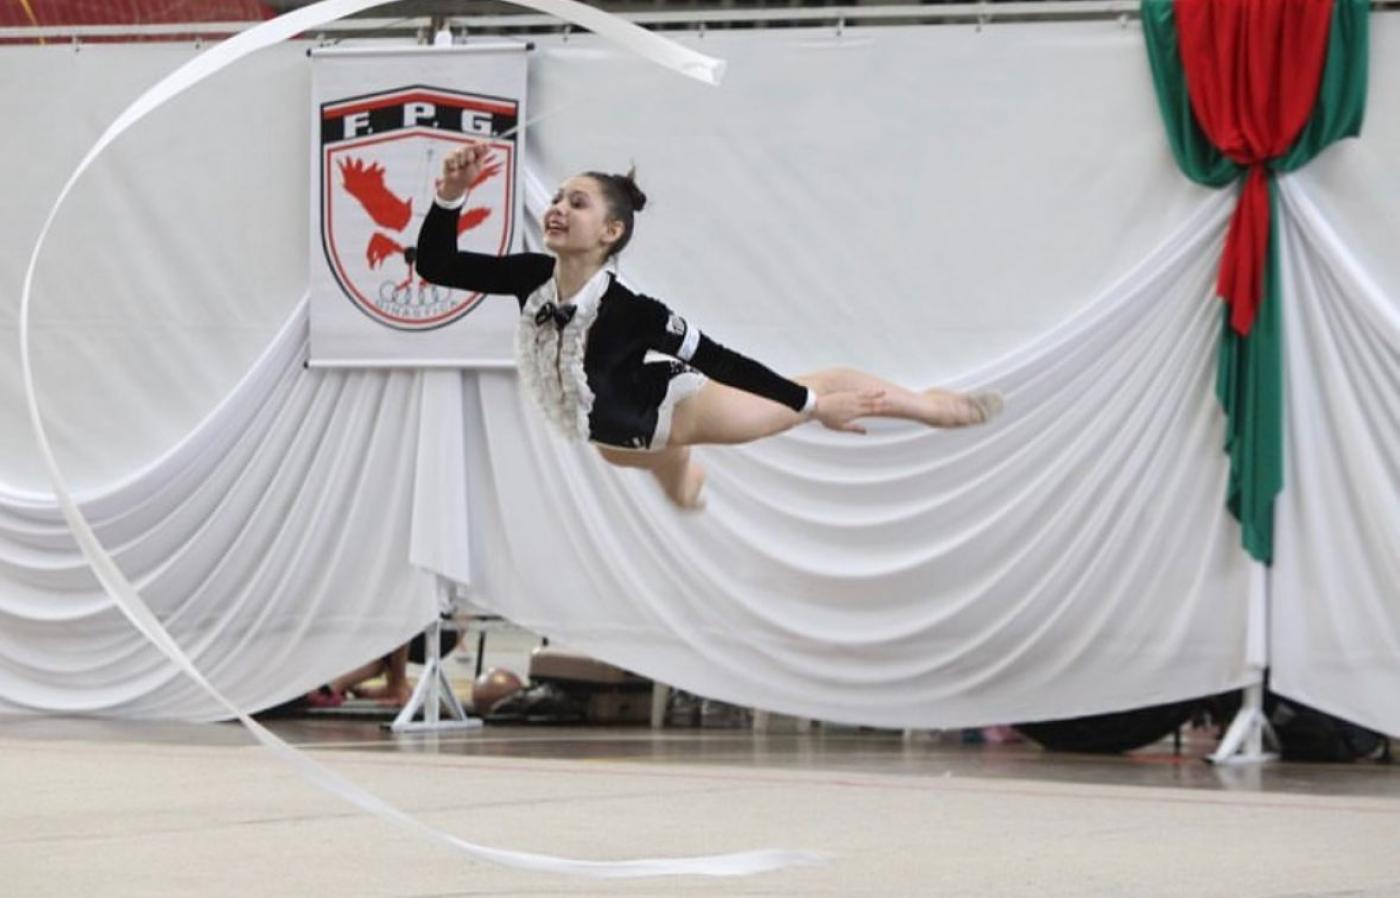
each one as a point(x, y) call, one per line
point(934, 407)
point(724, 415)
point(680, 478)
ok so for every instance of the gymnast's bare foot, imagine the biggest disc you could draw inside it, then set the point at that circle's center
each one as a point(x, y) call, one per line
point(949, 409)
point(987, 402)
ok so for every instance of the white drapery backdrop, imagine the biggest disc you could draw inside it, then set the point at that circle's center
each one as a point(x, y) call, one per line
point(1336, 578)
point(227, 539)
point(936, 204)
point(1072, 558)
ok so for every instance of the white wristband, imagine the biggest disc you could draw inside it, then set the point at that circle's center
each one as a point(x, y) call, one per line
point(689, 343)
point(458, 203)
point(810, 405)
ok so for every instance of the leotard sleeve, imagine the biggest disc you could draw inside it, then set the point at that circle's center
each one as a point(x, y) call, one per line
point(672, 335)
point(440, 261)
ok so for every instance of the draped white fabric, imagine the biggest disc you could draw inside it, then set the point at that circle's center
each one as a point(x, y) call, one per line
point(1336, 603)
point(174, 265)
point(940, 204)
point(229, 539)
point(1335, 609)
point(1075, 557)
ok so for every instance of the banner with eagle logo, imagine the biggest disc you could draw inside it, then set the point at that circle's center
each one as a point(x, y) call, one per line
point(382, 121)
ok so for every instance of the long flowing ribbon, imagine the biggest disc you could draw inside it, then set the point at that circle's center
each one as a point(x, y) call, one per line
point(652, 47)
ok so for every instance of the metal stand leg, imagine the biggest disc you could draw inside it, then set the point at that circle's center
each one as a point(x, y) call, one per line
point(432, 694)
point(1250, 732)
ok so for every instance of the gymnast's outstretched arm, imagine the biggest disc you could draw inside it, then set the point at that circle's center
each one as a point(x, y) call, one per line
point(440, 261)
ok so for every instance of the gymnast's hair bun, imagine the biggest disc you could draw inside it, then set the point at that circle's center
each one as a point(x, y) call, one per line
point(634, 193)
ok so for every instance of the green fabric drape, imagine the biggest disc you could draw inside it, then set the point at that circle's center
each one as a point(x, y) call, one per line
point(1249, 381)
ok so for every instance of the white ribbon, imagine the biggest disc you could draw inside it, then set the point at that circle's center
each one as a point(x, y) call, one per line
point(651, 46)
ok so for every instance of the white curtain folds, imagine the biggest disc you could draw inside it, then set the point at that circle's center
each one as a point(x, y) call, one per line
point(272, 543)
point(1074, 557)
point(1336, 575)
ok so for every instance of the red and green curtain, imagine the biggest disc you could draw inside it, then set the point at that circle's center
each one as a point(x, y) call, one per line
point(1247, 89)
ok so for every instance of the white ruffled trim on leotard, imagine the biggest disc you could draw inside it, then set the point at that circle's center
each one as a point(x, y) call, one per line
point(550, 361)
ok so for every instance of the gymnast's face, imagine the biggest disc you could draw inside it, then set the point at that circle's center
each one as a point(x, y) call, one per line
point(577, 221)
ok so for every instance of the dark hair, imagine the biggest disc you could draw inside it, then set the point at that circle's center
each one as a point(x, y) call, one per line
point(624, 199)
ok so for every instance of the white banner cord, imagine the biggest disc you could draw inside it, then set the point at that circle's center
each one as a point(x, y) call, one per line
point(123, 593)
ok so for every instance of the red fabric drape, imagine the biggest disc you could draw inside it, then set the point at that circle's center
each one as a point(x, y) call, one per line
point(1252, 71)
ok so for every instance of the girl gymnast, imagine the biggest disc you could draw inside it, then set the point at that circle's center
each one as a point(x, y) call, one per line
point(583, 340)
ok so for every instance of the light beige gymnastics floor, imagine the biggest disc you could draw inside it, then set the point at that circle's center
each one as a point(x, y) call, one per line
point(107, 809)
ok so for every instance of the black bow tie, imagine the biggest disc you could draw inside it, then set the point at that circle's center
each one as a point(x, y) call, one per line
point(561, 315)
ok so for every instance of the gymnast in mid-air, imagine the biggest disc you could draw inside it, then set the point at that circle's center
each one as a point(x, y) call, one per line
point(583, 339)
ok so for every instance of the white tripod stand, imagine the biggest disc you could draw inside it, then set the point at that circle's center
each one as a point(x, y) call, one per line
point(434, 692)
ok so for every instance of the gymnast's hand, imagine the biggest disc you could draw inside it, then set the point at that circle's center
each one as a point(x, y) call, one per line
point(838, 411)
point(460, 169)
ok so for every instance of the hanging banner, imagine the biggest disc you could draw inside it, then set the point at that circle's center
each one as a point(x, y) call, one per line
point(382, 121)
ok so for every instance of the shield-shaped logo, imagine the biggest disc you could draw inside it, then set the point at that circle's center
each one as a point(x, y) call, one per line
point(380, 158)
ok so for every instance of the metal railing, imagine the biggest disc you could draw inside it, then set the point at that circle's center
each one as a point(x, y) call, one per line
point(422, 27)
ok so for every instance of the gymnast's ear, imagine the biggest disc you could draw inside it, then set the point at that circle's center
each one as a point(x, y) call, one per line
point(613, 229)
